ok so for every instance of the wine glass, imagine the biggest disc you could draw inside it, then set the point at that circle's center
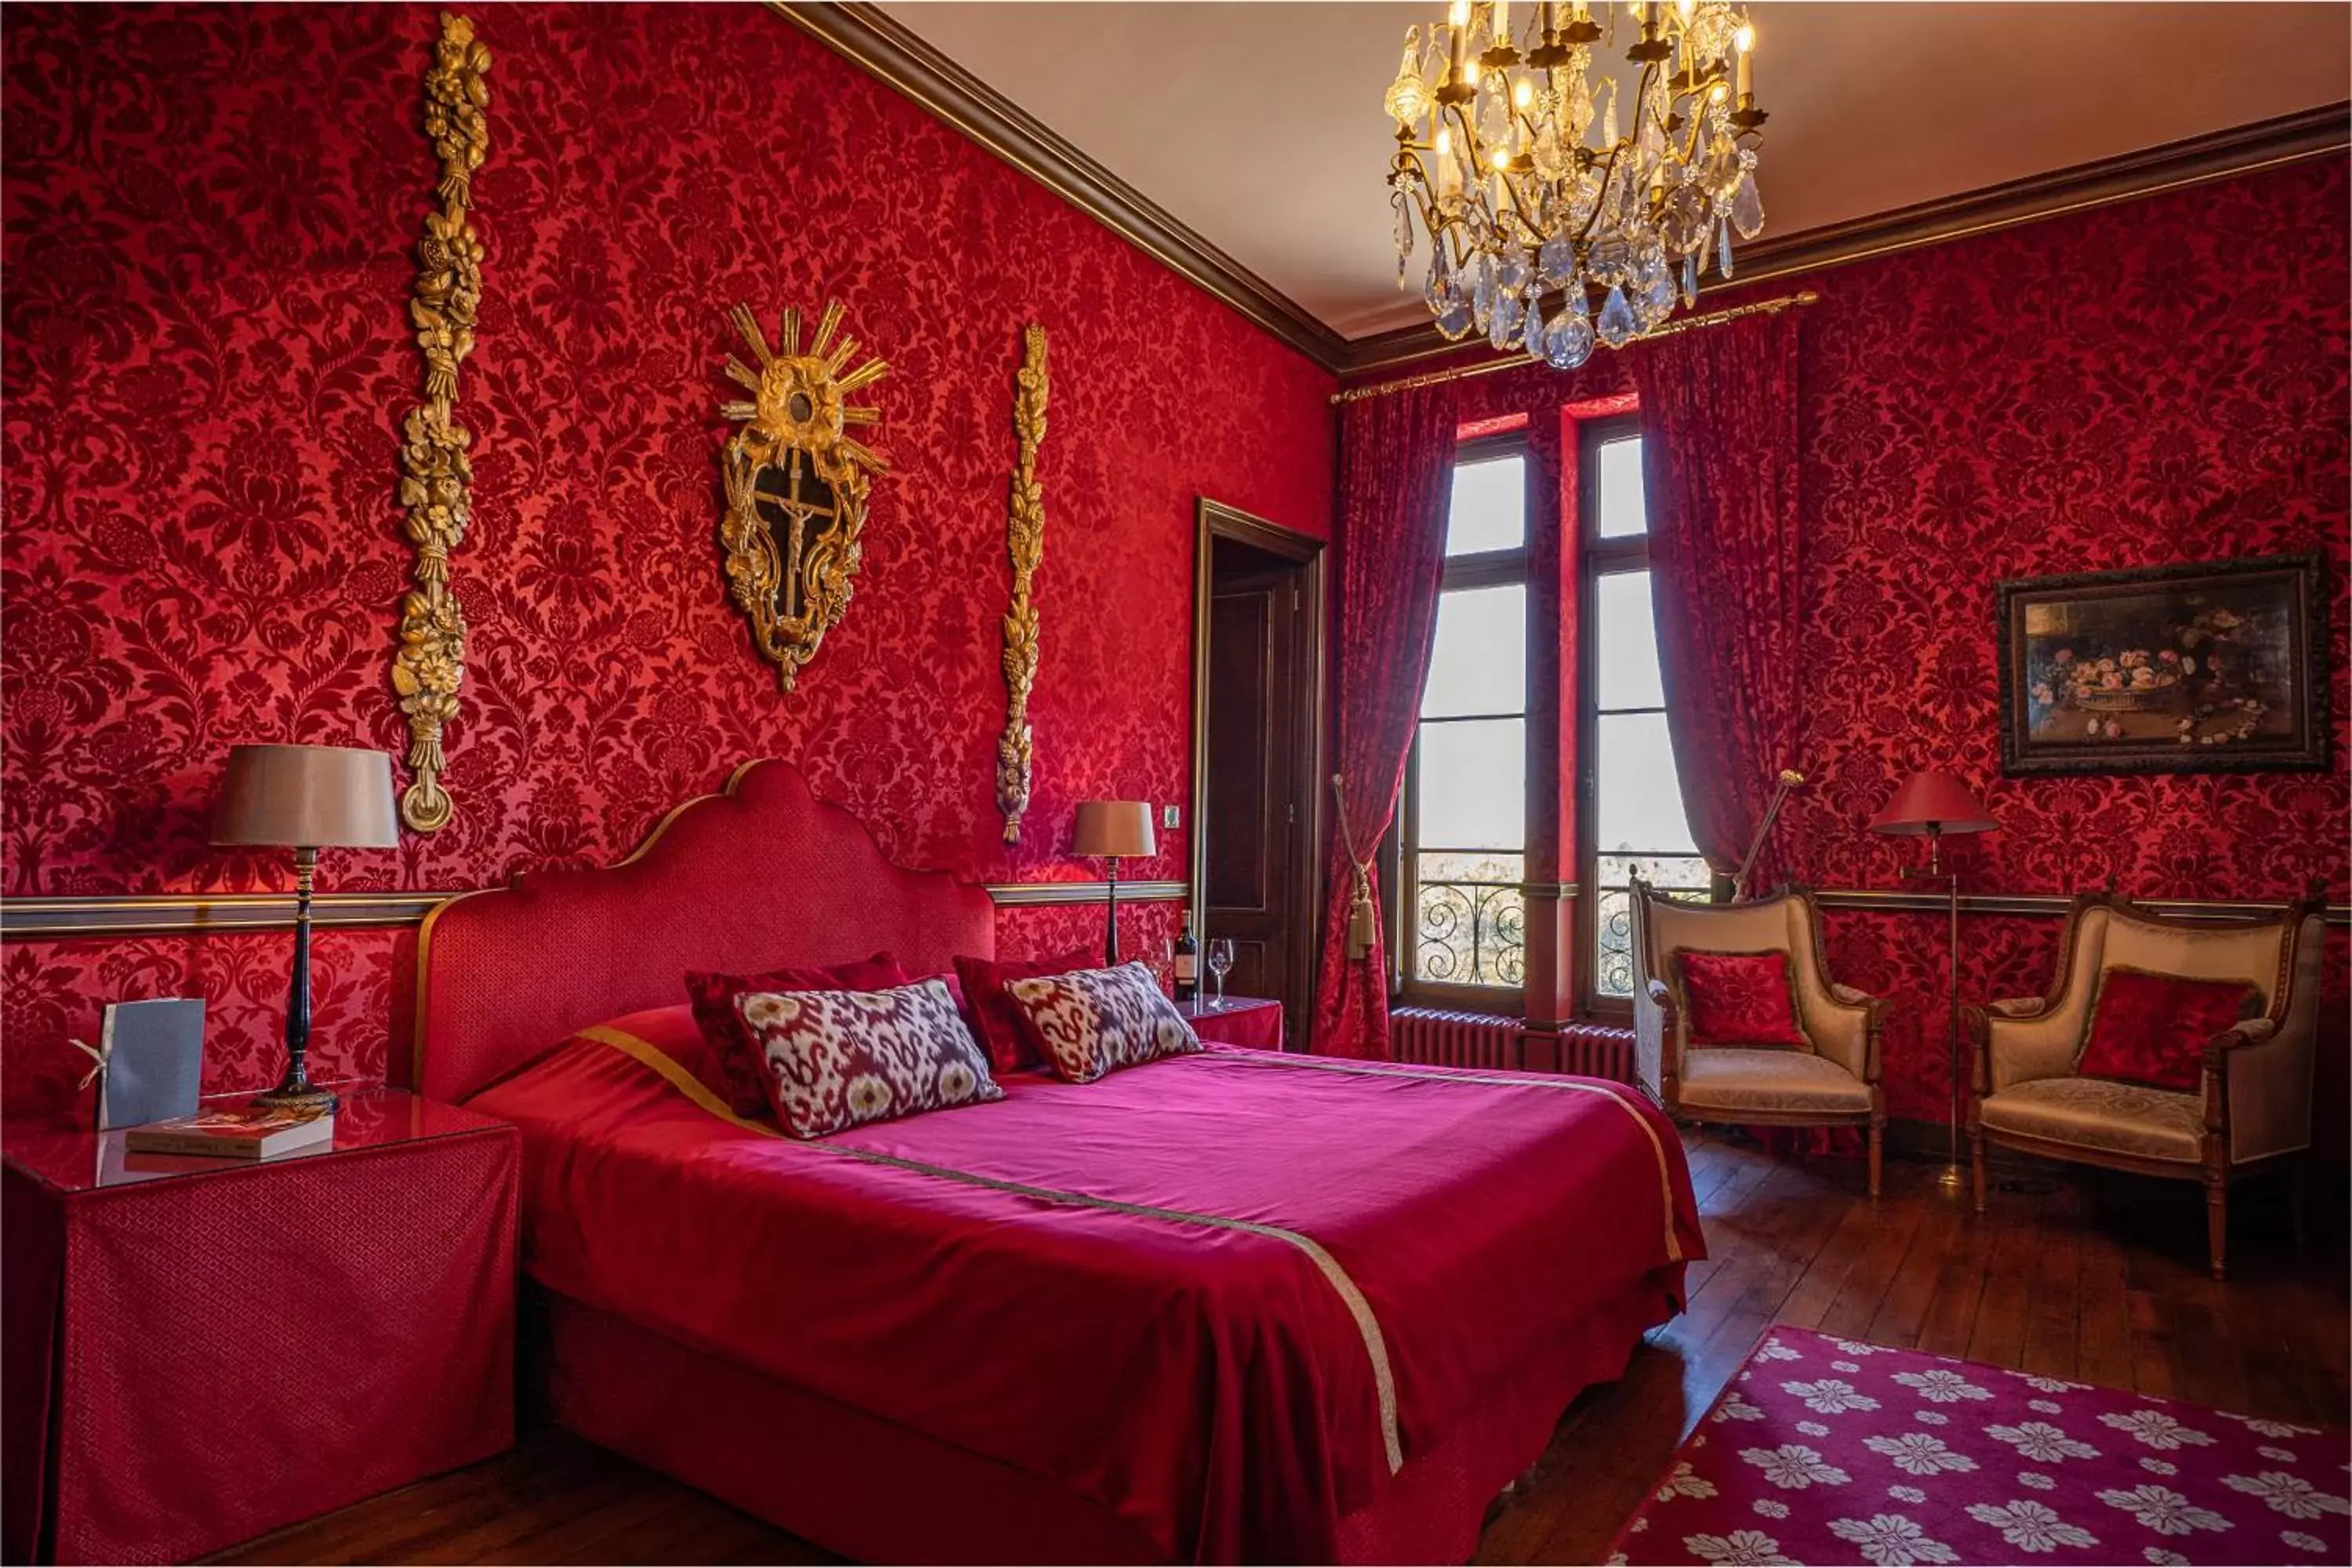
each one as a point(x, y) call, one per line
point(1221, 958)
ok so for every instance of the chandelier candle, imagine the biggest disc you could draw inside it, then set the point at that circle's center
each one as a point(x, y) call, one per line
point(1498, 163)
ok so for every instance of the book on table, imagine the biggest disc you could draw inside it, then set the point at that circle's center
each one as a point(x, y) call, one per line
point(236, 1133)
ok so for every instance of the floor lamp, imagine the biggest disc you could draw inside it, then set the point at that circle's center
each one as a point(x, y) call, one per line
point(1936, 803)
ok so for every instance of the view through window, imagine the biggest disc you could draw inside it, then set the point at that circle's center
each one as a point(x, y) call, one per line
point(1466, 802)
point(1630, 801)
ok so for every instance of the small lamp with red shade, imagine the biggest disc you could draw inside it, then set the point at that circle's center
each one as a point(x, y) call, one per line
point(1933, 803)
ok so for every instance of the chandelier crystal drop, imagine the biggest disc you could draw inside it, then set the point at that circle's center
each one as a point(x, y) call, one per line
point(1509, 158)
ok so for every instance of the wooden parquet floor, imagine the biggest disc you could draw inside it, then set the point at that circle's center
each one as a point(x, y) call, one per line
point(2091, 1276)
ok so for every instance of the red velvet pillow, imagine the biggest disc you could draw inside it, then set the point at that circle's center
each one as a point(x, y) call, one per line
point(673, 1032)
point(713, 996)
point(1009, 1037)
point(1740, 999)
point(2152, 1029)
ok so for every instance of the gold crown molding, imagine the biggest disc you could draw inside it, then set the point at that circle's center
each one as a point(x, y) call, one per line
point(871, 39)
point(203, 914)
point(2153, 171)
point(437, 473)
point(1025, 533)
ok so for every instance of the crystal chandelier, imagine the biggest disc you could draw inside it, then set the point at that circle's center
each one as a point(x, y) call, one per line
point(1509, 156)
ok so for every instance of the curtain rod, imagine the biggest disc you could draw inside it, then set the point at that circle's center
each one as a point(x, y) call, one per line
point(1521, 362)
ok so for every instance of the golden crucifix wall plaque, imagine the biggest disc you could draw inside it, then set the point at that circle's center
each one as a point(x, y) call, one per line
point(796, 485)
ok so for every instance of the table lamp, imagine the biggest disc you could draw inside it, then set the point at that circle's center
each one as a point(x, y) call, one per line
point(305, 798)
point(1934, 802)
point(1113, 829)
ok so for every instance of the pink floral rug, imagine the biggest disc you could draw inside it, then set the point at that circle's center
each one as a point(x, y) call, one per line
point(1828, 1450)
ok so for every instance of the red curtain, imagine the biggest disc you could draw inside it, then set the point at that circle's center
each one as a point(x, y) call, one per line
point(1396, 485)
point(1719, 464)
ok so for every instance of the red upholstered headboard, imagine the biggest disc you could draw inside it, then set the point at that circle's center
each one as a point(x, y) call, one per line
point(760, 876)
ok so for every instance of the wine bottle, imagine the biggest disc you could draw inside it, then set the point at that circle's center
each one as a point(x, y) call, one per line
point(1187, 965)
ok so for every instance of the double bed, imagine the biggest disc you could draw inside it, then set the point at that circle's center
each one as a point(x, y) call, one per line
point(1233, 1305)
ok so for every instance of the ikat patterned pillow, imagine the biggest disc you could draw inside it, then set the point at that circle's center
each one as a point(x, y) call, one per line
point(1100, 1020)
point(836, 1059)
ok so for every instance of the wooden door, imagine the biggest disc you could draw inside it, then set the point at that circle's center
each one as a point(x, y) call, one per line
point(1259, 704)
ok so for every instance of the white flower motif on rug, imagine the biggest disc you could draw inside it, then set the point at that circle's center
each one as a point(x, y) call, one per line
point(1919, 1454)
point(2162, 1509)
point(1892, 1541)
point(2048, 1384)
point(1867, 1466)
point(1773, 1350)
point(1683, 1483)
point(2272, 1428)
point(1795, 1466)
point(2290, 1495)
point(2155, 1429)
point(1830, 1395)
point(1741, 1548)
point(2030, 1526)
point(1858, 1347)
point(2042, 1442)
point(1940, 1387)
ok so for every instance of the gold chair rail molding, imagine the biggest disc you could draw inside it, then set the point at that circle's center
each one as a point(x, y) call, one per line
point(166, 914)
point(163, 914)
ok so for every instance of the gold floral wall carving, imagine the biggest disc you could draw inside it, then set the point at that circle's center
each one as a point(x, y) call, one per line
point(437, 473)
point(796, 485)
point(1025, 539)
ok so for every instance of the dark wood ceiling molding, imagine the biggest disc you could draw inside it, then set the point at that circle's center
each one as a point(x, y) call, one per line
point(2265, 144)
point(867, 37)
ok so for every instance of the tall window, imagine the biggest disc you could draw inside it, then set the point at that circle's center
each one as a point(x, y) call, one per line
point(1630, 802)
point(1465, 840)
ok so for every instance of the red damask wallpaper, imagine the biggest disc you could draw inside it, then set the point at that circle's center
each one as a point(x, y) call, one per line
point(2155, 381)
point(208, 214)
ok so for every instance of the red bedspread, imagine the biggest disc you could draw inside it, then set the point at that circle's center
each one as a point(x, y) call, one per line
point(1224, 1295)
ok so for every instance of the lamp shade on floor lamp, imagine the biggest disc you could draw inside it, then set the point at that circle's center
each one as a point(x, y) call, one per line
point(1934, 802)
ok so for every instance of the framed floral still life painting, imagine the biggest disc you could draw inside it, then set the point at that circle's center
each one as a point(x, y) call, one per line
point(2198, 668)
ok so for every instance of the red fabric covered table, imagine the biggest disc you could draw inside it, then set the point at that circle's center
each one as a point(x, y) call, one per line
point(1252, 1021)
point(205, 1351)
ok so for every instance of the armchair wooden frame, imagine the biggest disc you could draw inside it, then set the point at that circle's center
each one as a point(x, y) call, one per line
point(1666, 995)
point(2214, 1167)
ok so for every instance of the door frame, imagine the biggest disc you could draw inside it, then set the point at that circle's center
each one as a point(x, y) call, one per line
point(1213, 521)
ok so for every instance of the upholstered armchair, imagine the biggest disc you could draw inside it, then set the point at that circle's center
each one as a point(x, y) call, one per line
point(2250, 1110)
point(1827, 1077)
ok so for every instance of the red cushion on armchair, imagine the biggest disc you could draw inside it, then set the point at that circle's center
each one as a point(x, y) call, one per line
point(2152, 1029)
point(1740, 999)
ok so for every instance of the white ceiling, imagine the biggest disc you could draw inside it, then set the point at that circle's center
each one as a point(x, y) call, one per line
point(1259, 125)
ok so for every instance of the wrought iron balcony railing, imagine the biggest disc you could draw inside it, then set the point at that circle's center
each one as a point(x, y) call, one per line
point(1470, 932)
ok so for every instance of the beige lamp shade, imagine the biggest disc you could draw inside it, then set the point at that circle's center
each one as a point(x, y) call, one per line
point(307, 798)
point(1113, 827)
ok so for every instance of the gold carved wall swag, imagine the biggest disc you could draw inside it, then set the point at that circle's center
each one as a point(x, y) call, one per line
point(796, 485)
point(1025, 538)
point(436, 475)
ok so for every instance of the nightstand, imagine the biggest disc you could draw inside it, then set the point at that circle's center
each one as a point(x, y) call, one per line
point(200, 1350)
point(1253, 1021)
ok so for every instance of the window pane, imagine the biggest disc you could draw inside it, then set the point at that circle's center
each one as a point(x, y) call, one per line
point(1624, 642)
point(1678, 875)
point(1641, 801)
point(1490, 509)
point(1473, 784)
point(1619, 489)
point(1470, 920)
point(1480, 662)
